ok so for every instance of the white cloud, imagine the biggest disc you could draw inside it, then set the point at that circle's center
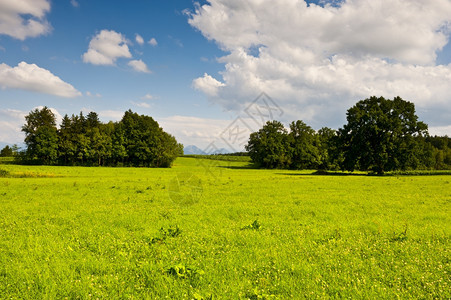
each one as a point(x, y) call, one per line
point(30, 77)
point(106, 47)
point(139, 66)
point(141, 104)
point(195, 131)
point(153, 42)
point(208, 85)
point(74, 3)
point(148, 97)
point(317, 61)
point(440, 130)
point(111, 115)
point(21, 19)
point(11, 122)
point(97, 95)
point(139, 39)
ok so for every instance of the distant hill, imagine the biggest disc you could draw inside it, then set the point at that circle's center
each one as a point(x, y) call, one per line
point(191, 149)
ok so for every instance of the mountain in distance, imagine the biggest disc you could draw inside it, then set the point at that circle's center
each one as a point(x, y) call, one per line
point(191, 149)
point(194, 150)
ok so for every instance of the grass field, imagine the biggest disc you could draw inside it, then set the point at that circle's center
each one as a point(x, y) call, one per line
point(209, 229)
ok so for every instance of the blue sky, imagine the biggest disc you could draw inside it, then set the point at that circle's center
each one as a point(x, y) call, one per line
point(174, 61)
point(197, 67)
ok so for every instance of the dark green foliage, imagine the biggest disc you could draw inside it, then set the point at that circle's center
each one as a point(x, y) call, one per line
point(254, 226)
point(329, 149)
point(180, 271)
point(146, 143)
point(269, 147)
point(304, 144)
point(41, 136)
point(7, 151)
point(380, 136)
point(136, 140)
point(440, 151)
point(273, 147)
point(171, 232)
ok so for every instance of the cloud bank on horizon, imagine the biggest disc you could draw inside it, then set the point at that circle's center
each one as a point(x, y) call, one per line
point(318, 60)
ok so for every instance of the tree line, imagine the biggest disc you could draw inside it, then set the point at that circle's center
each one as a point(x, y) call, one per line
point(136, 140)
point(380, 135)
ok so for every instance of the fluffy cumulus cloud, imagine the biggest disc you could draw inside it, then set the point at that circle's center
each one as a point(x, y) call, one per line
point(30, 77)
point(11, 122)
point(21, 19)
point(106, 47)
point(139, 66)
point(208, 85)
point(318, 60)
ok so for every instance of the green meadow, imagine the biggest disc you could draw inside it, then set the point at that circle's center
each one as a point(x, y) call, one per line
point(207, 229)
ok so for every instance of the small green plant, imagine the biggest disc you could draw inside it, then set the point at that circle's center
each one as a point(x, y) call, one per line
point(165, 233)
point(259, 294)
point(254, 226)
point(401, 236)
point(181, 271)
point(4, 173)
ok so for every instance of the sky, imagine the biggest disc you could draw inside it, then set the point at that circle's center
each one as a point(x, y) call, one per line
point(210, 72)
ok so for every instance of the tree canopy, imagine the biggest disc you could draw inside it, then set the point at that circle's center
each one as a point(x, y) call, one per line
point(136, 140)
point(381, 135)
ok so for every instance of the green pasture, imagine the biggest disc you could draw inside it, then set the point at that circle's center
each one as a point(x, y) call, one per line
point(208, 229)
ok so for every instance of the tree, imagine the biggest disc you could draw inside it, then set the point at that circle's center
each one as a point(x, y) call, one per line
point(330, 154)
point(92, 120)
point(380, 135)
point(41, 135)
point(146, 143)
point(100, 144)
point(118, 151)
point(66, 147)
point(136, 140)
point(7, 151)
point(46, 148)
point(304, 146)
point(269, 147)
point(168, 150)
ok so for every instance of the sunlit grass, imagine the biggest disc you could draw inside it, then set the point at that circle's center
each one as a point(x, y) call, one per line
point(115, 233)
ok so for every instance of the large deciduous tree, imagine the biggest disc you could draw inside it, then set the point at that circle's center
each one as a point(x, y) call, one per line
point(304, 146)
point(381, 135)
point(41, 135)
point(269, 147)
